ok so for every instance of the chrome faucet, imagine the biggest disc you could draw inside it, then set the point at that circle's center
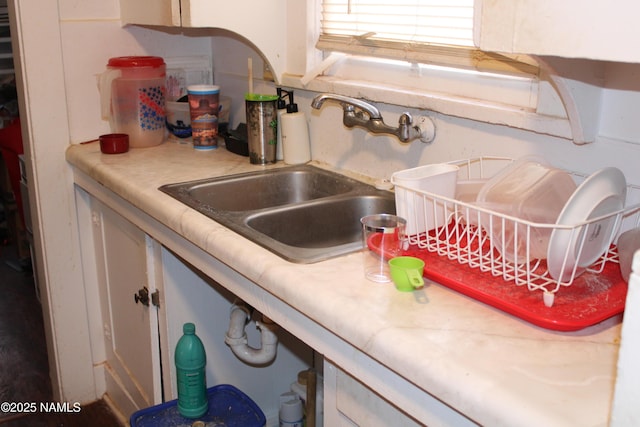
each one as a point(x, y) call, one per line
point(357, 112)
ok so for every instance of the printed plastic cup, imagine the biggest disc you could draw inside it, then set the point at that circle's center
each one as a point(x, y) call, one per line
point(406, 273)
point(424, 213)
point(204, 102)
point(383, 237)
point(262, 124)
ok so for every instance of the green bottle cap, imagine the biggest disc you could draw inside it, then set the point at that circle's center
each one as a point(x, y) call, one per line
point(189, 328)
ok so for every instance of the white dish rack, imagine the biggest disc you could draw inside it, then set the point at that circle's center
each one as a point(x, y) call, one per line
point(466, 239)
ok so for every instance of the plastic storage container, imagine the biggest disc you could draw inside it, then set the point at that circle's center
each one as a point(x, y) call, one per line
point(132, 91)
point(228, 407)
point(530, 190)
point(179, 119)
point(438, 178)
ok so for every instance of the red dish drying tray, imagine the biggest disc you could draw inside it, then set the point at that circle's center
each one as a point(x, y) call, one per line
point(589, 300)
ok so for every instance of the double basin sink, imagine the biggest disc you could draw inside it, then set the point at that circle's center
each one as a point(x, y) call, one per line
point(302, 213)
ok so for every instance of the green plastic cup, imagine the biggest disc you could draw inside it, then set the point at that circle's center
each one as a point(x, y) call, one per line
point(406, 273)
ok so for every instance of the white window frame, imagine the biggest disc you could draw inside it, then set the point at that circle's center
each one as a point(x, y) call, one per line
point(540, 108)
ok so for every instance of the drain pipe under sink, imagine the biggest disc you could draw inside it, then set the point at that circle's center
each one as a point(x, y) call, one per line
point(236, 337)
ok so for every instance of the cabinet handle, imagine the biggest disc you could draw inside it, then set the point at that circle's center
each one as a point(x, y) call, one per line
point(142, 296)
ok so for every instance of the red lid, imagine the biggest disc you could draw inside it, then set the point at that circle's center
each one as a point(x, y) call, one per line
point(136, 61)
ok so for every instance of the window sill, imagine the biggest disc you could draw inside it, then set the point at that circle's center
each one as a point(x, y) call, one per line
point(467, 108)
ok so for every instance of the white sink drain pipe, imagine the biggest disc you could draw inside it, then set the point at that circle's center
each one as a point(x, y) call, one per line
point(236, 337)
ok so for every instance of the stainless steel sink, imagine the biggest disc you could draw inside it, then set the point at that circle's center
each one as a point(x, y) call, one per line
point(263, 189)
point(320, 230)
point(302, 213)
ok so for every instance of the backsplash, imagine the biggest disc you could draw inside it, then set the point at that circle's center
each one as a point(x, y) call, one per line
point(378, 156)
point(354, 149)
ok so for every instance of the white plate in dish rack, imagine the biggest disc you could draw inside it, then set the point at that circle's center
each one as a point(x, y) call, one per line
point(602, 193)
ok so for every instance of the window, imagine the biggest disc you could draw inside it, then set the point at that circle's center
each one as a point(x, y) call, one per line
point(444, 22)
point(420, 54)
point(438, 32)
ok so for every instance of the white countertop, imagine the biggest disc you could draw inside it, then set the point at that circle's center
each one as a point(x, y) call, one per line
point(491, 366)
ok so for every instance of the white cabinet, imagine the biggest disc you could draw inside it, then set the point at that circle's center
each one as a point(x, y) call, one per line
point(349, 403)
point(131, 246)
point(133, 343)
point(595, 29)
point(151, 12)
point(126, 276)
point(263, 23)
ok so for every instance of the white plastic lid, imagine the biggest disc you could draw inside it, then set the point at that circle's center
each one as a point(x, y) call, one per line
point(291, 409)
point(203, 89)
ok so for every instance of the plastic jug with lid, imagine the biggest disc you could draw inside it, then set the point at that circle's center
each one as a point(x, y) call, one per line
point(132, 92)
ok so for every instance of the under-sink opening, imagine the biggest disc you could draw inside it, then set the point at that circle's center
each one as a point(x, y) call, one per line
point(191, 296)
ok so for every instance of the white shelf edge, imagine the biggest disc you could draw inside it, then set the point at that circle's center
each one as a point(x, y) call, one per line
point(452, 106)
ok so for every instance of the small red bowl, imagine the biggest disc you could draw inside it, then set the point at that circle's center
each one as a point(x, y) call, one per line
point(114, 143)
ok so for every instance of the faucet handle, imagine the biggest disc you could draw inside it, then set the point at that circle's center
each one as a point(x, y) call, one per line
point(426, 128)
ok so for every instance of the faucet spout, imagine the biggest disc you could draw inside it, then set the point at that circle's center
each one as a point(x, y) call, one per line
point(357, 112)
point(347, 104)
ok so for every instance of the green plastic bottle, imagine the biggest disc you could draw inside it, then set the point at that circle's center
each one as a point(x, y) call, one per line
point(190, 361)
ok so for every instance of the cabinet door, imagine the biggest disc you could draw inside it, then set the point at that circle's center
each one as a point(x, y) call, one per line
point(595, 29)
point(130, 323)
point(150, 12)
point(349, 403)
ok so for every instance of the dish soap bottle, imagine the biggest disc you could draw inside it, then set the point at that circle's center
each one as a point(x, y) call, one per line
point(295, 135)
point(190, 359)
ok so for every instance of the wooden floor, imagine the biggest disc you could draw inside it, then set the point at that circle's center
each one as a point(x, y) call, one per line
point(24, 372)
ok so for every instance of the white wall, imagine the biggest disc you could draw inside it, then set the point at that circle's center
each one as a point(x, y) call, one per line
point(89, 41)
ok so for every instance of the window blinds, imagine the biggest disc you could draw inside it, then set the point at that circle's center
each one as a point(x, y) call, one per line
point(443, 22)
point(438, 32)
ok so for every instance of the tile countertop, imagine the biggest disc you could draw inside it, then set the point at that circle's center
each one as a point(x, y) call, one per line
point(495, 368)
